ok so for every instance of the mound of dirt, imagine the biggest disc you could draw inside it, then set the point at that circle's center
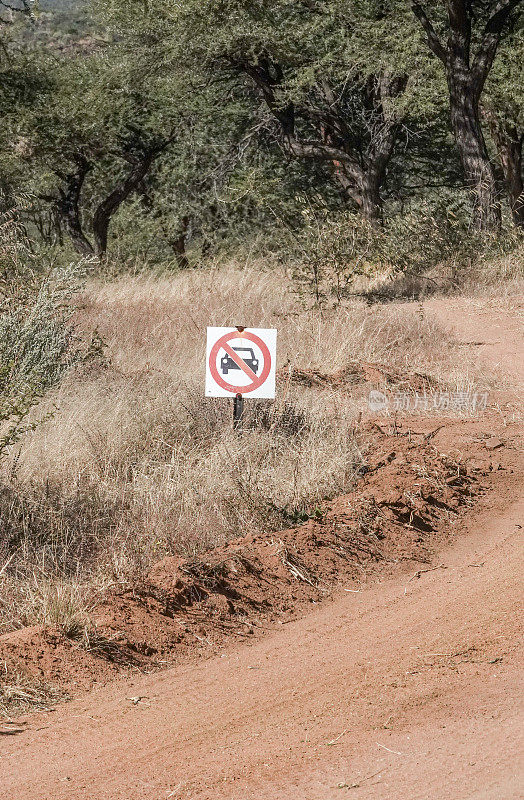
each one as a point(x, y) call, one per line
point(358, 374)
point(415, 482)
point(43, 655)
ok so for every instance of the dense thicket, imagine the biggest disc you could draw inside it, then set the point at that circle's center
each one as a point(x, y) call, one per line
point(175, 128)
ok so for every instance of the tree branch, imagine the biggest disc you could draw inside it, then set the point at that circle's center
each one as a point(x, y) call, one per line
point(324, 152)
point(285, 115)
point(107, 208)
point(26, 8)
point(459, 13)
point(67, 203)
point(433, 41)
point(490, 42)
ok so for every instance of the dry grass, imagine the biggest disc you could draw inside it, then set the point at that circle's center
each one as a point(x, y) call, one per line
point(19, 695)
point(500, 278)
point(136, 464)
point(48, 600)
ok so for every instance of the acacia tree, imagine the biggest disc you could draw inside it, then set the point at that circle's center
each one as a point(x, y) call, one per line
point(92, 137)
point(351, 128)
point(333, 101)
point(503, 110)
point(470, 25)
point(67, 199)
point(319, 83)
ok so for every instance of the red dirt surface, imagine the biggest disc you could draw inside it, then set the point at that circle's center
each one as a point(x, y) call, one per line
point(416, 484)
point(399, 684)
point(488, 328)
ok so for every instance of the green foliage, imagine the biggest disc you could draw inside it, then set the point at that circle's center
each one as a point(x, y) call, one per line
point(505, 88)
point(37, 342)
point(104, 87)
point(333, 251)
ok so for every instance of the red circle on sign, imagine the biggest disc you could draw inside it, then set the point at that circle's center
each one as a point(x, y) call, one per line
point(257, 382)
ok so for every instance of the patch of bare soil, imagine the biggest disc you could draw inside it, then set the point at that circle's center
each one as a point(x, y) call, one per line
point(404, 688)
point(417, 479)
point(486, 328)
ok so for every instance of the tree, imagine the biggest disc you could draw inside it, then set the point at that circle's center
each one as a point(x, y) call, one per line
point(466, 76)
point(91, 140)
point(319, 83)
point(352, 128)
point(503, 110)
point(509, 140)
point(188, 126)
point(67, 200)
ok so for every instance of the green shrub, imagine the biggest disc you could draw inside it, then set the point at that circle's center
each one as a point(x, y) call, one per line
point(332, 250)
point(37, 342)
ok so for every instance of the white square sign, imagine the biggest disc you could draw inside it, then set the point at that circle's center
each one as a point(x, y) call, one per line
point(241, 362)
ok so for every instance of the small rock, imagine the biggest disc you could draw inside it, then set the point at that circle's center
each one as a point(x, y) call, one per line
point(479, 466)
point(493, 443)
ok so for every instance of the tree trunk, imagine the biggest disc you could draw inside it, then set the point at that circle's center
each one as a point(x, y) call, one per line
point(364, 191)
point(108, 207)
point(511, 160)
point(365, 178)
point(466, 76)
point(68, 206)
point(469, 138)
point(372, 206)
point(80, 242)
point(179, 244)
point(508, 141)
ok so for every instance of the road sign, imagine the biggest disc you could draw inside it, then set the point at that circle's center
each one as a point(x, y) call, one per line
point(241, 362)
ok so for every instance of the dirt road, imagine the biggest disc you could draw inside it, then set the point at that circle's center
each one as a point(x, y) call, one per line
point(490, 331)
point(413, 682)
point(407, 688)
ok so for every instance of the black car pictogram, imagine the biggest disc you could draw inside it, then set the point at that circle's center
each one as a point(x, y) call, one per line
point(246, 354)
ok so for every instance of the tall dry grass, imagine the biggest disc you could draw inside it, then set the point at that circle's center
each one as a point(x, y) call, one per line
point(136, 464)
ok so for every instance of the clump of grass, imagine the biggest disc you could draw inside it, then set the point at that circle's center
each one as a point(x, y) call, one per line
point(31, 598)
point(18, 695)
point(58, 604)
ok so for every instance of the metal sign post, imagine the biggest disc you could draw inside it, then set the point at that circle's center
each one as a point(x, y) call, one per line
point(238, 403)
point(238, 413)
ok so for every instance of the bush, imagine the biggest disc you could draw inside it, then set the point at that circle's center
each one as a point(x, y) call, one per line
point(37, 343)
point(332, 250)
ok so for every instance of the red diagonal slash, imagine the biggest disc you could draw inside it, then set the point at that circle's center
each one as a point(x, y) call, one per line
point(239, 361)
